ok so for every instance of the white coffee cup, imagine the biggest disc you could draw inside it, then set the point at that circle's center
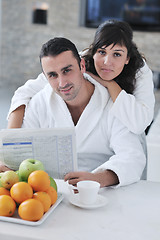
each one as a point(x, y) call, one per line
point(87, 191)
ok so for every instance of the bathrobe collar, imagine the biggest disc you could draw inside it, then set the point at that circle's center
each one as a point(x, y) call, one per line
point(88, 120)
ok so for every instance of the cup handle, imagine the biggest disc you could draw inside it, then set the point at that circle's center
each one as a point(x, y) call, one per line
point(72, 189)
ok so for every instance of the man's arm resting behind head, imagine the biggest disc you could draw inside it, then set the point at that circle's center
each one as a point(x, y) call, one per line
point(16, 117)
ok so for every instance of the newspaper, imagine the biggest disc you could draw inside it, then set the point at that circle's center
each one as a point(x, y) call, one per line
point(56, 148)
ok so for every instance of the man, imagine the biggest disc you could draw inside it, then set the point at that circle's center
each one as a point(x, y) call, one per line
point(74, 99)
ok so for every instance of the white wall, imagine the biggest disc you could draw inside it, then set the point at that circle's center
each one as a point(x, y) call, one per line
point(153, 146)
point(22, 40)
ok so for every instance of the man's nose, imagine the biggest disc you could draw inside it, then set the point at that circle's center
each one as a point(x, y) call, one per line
point(62, 82)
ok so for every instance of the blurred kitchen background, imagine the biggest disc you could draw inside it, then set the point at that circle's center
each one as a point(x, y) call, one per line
point(26, 24)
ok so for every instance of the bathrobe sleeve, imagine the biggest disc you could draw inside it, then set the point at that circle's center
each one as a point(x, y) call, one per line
point(136, 111)
point(37, 111)
point(128, 159)
point(24, 93)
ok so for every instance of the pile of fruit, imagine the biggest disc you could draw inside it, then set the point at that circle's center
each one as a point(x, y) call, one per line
point(30, 189)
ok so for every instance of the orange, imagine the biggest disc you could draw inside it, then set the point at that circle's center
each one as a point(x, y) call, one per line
point(21, 191)
point(39, 180)
point(53, 194)
point(44, 198)
point(31, 210)
point(7, 206)
point(4, 191)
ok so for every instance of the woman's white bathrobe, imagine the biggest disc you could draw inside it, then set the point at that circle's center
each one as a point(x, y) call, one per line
point(103, 142)
point(134, 111)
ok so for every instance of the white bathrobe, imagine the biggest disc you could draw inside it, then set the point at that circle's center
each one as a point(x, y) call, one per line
point(134, 111)
point(103, 142)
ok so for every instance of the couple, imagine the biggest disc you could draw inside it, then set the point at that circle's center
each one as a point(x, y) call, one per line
point(104, 142)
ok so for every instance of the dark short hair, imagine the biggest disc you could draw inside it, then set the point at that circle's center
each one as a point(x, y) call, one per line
point(117, 32)
point(58, 45)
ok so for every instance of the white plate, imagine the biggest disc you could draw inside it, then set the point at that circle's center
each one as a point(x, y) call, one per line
point(16, 219)
point(101, 201)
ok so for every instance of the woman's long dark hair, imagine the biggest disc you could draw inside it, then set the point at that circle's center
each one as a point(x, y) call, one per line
point(117, 32)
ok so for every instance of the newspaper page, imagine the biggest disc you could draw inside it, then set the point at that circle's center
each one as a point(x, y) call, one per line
point(55, 148)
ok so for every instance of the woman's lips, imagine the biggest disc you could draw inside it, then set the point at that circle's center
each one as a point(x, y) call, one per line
point(106, 70)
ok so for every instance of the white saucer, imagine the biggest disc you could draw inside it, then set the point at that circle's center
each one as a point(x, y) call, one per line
point(101, 201)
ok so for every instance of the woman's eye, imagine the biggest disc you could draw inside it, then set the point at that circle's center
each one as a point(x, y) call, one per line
point(102, 52)
point(117, 54)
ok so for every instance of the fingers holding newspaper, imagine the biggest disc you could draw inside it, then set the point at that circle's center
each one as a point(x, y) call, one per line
point(3, 168)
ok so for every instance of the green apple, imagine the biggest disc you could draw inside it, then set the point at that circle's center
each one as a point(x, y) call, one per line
point(53, 183)
point(0, 178)
point(20, 180)
point(27, 166)
point(9, 178)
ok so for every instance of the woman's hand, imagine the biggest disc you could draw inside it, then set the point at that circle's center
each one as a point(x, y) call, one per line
point(100, 80)
point(105, 178)
point(16, 117)
point(113, 88)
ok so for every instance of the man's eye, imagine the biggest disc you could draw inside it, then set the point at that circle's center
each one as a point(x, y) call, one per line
point(66, 71)
point(52, 75)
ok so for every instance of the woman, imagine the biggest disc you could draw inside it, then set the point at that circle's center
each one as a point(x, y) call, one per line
point(116, 63)
point(130, 87)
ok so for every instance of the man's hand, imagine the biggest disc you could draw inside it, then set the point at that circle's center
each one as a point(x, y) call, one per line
point(105, 178)
point(74, 177)
point(3, 168)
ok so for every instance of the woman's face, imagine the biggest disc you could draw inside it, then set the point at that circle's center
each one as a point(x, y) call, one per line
point(110, 61)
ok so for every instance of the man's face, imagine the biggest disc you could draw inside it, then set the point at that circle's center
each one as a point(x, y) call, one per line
point(64, 75)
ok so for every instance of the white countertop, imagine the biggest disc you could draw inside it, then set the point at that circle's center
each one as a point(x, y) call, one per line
point(133, 213)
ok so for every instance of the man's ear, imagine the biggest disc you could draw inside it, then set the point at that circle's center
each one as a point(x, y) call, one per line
point(83, 66)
